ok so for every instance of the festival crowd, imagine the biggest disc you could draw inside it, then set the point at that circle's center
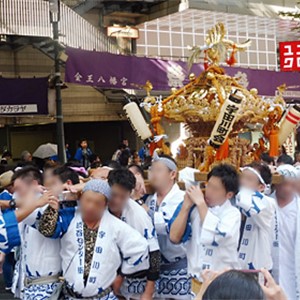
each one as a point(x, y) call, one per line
point(93, 230)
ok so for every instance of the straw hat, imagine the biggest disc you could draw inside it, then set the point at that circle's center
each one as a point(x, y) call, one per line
point(5, 179)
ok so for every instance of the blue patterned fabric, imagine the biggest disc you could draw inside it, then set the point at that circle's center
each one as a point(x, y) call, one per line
point(133, 288)
point(188, 229)
point(39, 291)
point(110, 296)
point(5, 195)
point(65, 218)
point(174, 284)
point(10, 224)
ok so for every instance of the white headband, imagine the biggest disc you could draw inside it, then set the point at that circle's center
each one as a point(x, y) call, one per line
point(107, 168)
point(287, 171)
point(166, 161)
point(261, 180)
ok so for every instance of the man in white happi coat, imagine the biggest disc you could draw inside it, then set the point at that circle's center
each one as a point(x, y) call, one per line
point(9, 233)
point(9, 230)
point(122, 183)
point(258, 217)
point(95, 245)
point(38, 267)
point(209, 225)
point(173, 282)
point(9, 219)
point(286, 257)
point(63, 180)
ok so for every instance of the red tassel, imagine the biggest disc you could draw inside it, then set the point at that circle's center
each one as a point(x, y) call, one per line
point(205, 61)
point(223, 151)
point(152, 148)
point(231, 61)
point(274, 143)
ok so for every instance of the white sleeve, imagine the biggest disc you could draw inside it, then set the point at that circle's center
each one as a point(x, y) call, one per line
point(151, 236)
point(217, 231)
point(134, 249)
point(256, 206)
point(162, 217)
point(143, 224)
point(160, 223)
point(157, 217)
point(33, 219)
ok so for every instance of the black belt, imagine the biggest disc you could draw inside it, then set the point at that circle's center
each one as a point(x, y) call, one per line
point(176, 265)
point(68, 291)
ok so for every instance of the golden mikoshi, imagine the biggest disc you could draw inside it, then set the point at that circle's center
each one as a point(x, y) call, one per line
point(205, 106)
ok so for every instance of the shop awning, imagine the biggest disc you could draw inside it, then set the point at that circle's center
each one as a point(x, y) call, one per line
point(105, 70)
point(26, 96)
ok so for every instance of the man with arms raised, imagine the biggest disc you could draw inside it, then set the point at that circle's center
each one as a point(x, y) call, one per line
point(209, 225)
point(258, 217)
point(38, 266)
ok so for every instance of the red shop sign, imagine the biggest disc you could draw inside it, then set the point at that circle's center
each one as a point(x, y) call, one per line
point(289, 56)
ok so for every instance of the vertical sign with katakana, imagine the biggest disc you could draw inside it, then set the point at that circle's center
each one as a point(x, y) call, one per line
point(289, 56)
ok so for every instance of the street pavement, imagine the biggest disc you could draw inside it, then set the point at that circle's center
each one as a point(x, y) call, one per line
point(3, 294)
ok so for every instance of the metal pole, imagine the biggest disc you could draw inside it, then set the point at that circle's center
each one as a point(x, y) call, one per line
point(60, 136)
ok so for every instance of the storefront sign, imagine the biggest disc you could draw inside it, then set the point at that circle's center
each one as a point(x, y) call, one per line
point(289, 56)
point(124, 32)
point(18, 109)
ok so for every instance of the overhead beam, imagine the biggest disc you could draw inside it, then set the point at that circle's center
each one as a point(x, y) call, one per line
point(267, 8)
point(160, 10)
point(86, 6)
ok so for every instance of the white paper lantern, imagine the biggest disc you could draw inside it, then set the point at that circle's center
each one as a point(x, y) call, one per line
point(289, 123)
point(137, 121)
point(51, 102)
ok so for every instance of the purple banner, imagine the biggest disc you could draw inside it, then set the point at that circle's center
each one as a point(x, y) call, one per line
point(107, 70)
point(23, 96)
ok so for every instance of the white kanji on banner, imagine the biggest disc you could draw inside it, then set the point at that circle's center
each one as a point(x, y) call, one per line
point(175, 75)
point(242, 79)
point(124, 81)
point(290, 144)
point(78, 77)
point(90, 78)
point(113, 80)
point(101, 79)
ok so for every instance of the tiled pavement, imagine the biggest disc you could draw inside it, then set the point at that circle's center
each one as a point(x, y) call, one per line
point(3, 294)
